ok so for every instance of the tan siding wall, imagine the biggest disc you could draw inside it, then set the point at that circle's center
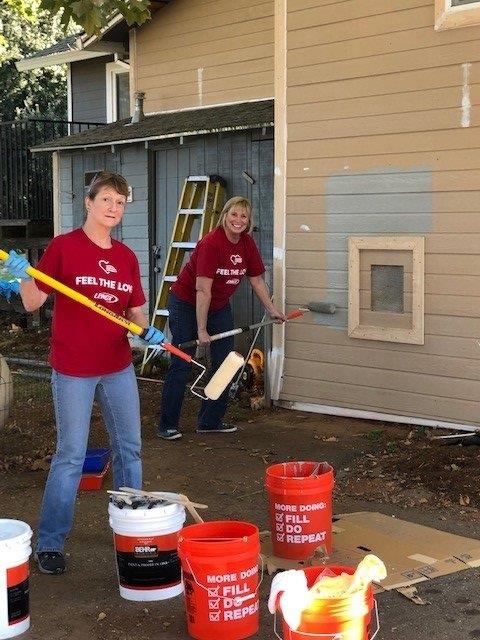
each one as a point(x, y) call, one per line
point(205, 52)
point(372, 88)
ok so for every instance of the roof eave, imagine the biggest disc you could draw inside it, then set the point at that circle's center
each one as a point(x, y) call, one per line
point(74, 55)
point(153, 138)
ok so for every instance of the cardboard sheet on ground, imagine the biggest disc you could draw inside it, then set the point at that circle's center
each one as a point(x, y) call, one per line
point(411, 552)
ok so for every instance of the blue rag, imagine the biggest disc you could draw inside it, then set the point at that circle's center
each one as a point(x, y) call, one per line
point(7, 288)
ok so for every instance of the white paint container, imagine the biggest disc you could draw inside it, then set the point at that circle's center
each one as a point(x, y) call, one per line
point(148, 566)
point(15, 552)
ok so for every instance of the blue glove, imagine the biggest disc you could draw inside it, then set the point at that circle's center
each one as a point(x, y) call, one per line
point(153, 336)
point(17, 266)
point(6, 288)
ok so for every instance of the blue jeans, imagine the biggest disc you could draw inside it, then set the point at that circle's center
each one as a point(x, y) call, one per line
point(117, 395)
point(183, 326)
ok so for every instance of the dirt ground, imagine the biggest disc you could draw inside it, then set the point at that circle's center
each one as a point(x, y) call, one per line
point(379, 467)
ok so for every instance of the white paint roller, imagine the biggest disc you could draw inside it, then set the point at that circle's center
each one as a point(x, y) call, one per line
point(224, 375)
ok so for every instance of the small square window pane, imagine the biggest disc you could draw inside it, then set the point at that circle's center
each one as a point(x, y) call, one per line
point(387, 288)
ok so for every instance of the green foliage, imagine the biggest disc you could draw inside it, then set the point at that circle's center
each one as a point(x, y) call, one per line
point(374, 435)
point(92, 15)
point(391, 447)
point(22, 7)
point(25, 30)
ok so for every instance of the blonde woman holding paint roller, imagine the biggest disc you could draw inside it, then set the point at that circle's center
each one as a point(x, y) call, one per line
point(90, 356)
point(199, 307)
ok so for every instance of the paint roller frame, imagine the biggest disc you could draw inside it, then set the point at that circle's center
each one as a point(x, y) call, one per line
point(296, 313)
point(129, 325)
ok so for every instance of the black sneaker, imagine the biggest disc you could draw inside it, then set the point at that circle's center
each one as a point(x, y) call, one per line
point(170, 434)
point(224, 427)
point(51, 562)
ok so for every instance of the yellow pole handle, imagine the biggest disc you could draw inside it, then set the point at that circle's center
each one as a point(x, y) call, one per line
point(98, 308)
point(79, 297)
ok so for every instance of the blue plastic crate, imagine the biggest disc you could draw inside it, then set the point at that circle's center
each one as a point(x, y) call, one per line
point(96, 460)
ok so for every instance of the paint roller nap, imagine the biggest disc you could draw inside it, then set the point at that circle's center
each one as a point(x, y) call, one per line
point(321, 307)
point(224, 375)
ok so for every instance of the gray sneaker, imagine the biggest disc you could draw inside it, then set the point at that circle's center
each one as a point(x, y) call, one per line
point(169, 434)
point(51, 562)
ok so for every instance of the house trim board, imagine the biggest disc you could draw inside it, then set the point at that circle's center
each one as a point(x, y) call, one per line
point(356, 329)
point(448, 17)
point(112, 69)
point(69, 95)
point(347, 412)
point(277, 354)
point(56, 192)
point(67, 56)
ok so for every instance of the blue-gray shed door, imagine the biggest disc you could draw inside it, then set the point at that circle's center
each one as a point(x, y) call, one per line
point(240, 158)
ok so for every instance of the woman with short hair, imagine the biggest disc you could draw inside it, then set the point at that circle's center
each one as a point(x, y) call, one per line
point(90, 356)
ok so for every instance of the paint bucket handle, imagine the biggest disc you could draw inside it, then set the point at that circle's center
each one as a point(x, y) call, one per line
point(332, 636)
point(238, 600)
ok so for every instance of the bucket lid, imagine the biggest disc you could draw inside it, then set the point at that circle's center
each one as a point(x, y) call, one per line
point(14, 532)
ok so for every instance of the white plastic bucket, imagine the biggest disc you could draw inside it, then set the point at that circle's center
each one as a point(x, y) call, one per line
point(15, 552)
point(145, 541)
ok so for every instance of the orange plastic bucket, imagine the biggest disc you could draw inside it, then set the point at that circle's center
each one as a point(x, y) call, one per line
point(220, 576)
point(300, 501)
point(348, 618)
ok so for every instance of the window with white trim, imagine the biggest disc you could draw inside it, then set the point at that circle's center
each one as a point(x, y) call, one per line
point(386, 288)
point(451, 14)
point(118, 91)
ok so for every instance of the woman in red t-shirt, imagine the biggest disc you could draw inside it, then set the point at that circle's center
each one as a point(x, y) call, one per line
point(199, 307)
point(90, 356)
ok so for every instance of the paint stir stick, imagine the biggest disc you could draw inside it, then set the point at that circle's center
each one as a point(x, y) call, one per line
point(178, 498)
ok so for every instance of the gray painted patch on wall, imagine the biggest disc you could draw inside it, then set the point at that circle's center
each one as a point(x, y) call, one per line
point(380, 202)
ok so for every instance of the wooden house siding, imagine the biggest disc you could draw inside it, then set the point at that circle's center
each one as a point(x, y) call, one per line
point(203, 53)
point(383, 124)
point(89, 95)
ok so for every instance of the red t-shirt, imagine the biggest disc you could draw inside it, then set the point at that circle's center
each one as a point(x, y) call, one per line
point(224, 261)
point(83, 343)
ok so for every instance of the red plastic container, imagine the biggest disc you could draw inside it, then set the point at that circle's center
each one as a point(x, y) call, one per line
point(348, 618)
point(220, 575)
point(93, 481)
point(300, 501)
